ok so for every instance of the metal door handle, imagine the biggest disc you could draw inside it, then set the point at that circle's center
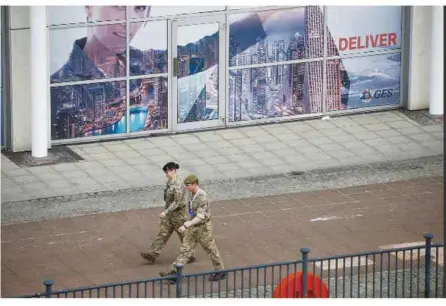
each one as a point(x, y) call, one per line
point(175, 66)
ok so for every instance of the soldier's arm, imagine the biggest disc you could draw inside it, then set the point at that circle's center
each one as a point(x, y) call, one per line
point(178, 193)
point(193, 222)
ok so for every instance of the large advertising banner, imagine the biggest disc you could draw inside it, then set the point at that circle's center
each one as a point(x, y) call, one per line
point(360, 82)
point(79, 14)
point(363, 29)
point(198, 72)
point(98, 52)
point(85, 60)
point(270, 37)
point(365, 80)
point(286, 90)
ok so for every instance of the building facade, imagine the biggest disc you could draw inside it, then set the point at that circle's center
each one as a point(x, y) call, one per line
point(129, 71)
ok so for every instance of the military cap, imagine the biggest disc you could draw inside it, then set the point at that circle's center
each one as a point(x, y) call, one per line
point(192, 178)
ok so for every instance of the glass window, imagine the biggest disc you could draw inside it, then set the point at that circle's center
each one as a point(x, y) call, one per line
point(148, 47)
point(148, 104)
point(90, 13)
point(198, 72)
point(88, 110)
point(350, 33)
point(366, 72)
point(275, 91)
point(363, 82)
point(88, 53)
point(159, 10)
point(276, 36)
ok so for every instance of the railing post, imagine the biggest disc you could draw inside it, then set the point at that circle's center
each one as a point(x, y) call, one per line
point(48, 288)
point(427, 265)
point(304, 252)
point(179, 283)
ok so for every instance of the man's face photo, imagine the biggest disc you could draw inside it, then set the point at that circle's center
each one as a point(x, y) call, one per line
point(113, 36)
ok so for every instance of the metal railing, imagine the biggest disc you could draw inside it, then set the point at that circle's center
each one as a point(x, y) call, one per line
point(392, 273)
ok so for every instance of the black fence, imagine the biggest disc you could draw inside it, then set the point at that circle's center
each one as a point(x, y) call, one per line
point(412, 272)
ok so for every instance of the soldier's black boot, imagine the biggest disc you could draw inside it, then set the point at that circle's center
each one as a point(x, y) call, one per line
point(170, 273)
point(217, 276)
point(148, 256)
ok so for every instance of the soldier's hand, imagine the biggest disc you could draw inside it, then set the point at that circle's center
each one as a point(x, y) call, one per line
point(163, 215)
point(182, 229)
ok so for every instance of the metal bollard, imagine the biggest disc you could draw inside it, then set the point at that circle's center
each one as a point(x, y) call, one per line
point(48, 288)
point(304, 252)
point(179, 282)
point(427, 265)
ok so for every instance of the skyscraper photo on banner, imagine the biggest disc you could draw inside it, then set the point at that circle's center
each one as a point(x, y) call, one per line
point(283, 90)
point(276, 90)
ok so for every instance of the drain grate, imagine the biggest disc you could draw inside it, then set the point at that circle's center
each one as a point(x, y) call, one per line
point(422, 117)
point(56, 155)
point(296, 173)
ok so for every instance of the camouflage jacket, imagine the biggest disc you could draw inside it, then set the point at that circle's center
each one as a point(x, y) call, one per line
point(174, 195)
point(200, 206)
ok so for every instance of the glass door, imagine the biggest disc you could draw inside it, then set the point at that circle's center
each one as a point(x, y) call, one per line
point(198, 65)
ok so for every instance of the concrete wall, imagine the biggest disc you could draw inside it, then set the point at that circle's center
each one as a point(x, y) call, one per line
point(20, 78)
point(418, 55)
point(20, 88)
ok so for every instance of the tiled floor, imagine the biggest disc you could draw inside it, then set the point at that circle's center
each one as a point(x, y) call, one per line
point(102, 248)
point(230, 153)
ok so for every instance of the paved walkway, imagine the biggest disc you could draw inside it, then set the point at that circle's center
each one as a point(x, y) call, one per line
point(102, 248)
point(231, 153)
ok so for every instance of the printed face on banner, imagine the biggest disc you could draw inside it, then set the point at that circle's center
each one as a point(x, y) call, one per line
point(114, 35)
point(80, 14)
point(99, 51)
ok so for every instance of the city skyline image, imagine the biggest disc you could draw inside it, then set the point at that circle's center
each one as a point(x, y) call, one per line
point(100, 108)
point(283, 90)
point(88, 110)
point(198, 73)
point(273, 88)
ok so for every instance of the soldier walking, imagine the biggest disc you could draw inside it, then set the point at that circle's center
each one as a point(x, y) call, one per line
point(198, 230)
point(174, 215)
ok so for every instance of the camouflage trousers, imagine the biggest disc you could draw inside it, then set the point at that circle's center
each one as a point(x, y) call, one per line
point(168, 225)
point(201, 234)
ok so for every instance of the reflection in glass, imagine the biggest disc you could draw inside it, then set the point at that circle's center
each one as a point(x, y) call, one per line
point(148, 104)
point(197, 53)
point(148, 48)
point(93, 52)
point(363, 82)
point(275, 91)
point(88, 110)
point(282, 36)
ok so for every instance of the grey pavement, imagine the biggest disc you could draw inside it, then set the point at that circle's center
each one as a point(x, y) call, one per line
point(220, 155)
point(223, 189)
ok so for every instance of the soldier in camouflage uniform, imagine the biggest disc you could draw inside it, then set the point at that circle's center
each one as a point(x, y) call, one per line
point(174, 215)
point(198, 230)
